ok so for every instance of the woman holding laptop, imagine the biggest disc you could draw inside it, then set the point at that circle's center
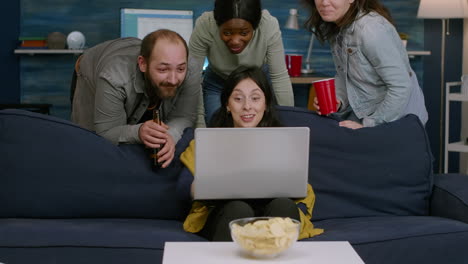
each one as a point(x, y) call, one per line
point(246, 101)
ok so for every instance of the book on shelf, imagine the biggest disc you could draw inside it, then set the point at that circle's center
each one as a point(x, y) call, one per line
point(33, 42)
point(28, 48)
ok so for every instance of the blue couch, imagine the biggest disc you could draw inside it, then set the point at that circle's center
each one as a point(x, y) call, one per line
point(69, 196)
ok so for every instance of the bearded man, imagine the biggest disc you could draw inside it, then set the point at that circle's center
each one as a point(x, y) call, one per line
point(120, 82)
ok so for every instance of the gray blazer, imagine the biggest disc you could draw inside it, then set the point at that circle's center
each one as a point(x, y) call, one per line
point(110, 97)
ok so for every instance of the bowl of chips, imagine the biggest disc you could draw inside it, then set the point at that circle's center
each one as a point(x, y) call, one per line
point(264, 237)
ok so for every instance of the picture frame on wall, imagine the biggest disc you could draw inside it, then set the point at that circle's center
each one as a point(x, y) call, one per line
point(139, 22)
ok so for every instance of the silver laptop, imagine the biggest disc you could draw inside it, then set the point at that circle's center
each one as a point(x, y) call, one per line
point(244, 163)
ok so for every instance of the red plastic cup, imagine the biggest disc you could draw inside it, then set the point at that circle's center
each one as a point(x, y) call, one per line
point(294, 64)
point(325, 92)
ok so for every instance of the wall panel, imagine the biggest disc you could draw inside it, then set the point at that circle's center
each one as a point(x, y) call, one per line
point(46, 78)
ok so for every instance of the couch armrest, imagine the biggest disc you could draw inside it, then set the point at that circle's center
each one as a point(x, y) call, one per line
point(450, 196)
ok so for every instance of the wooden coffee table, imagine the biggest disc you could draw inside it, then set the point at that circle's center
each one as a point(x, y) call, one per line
point(338, 252)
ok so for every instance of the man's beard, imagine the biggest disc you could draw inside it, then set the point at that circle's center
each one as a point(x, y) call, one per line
point(156, 93)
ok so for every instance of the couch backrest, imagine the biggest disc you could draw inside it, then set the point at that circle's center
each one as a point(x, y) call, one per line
point(51, 168)
point(383, 170)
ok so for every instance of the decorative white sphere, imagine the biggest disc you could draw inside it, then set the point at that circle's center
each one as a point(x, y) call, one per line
point(76, 40)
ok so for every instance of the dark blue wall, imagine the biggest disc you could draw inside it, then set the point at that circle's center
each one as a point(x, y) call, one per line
point(9, 69)
point(46, 78)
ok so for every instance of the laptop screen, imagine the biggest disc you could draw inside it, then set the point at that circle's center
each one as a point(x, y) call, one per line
point(236, 163)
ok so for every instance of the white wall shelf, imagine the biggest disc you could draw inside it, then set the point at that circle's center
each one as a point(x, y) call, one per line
point(458, 147)
point(457, 97)
point(419, 52)
point(47, 51)
point(414, 53)
point(462, 96)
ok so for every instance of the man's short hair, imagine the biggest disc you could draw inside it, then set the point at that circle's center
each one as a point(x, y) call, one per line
point(149, 41)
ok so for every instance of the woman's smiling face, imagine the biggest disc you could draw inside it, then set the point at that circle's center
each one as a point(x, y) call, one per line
point(247, 104)
point(236, 34)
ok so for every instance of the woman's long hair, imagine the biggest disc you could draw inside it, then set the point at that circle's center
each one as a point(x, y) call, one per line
point(325, 30)
point(222, 118)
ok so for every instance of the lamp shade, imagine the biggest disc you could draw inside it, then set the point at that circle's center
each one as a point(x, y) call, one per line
point(443, 9)
point(292, 22)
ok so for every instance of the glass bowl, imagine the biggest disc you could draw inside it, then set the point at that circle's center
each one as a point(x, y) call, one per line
point(264, 237)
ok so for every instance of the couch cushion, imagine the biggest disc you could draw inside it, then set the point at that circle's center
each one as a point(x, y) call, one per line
point(363, 230)
point(71, 241)
point(450, 196)
point(431, 249)
point(108, 232)
point(400, 239)
point(52, 168)
point(382, 170)
point(80, 255)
